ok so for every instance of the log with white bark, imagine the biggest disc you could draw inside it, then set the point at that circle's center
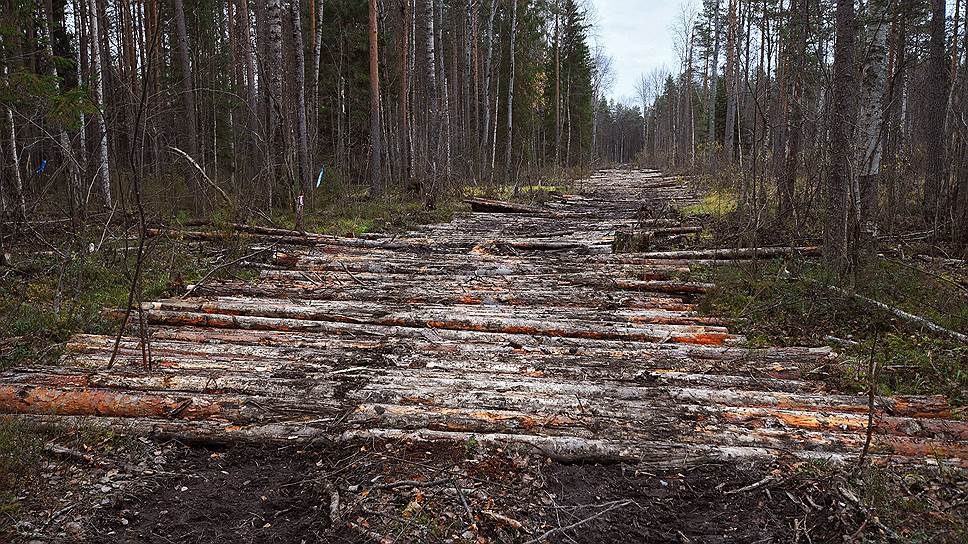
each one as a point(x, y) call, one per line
point(732, 253)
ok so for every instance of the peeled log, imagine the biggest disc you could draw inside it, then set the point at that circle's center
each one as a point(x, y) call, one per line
point(84, 401)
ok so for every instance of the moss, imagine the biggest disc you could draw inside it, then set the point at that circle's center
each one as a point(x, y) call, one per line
point(715, 204)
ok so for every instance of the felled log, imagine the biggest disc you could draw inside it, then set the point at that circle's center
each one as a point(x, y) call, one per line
point(488, 205)
point(567, 329)
point(77, 400)
point(205, 433)
point(905, 316)
point(732, 253)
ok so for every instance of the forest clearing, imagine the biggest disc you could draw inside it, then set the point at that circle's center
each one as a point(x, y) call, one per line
point(490, 271)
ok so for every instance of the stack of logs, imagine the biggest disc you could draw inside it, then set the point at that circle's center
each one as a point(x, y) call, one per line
point(513, 324)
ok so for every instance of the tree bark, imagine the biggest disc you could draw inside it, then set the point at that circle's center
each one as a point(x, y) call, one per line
point(732, 82)
point(870, 121)
point(187, 86)
point(935, 176)
point(433, 137)
point(97, 86)
point(508, 155)
point(837, 249)
point(376, 183)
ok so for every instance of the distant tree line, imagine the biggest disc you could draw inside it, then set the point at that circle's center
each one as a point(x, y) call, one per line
point(835, 112)
point(257, 102)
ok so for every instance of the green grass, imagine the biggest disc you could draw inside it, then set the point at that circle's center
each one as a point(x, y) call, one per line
point(781, 303)
point(715, 204)
point(52, 297)
point(354, 213)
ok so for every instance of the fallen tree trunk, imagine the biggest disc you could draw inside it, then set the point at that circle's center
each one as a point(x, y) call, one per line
point(75, 400)
point(732, 253)
point(905, 316)
point(488, 205)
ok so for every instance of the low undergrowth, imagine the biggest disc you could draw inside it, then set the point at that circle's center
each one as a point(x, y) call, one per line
point(46, 297)
point(917, 504)
point(21, 456)
point(791, 303)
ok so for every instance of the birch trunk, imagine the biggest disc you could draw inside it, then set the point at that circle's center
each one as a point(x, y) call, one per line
point(301, 123)
point(488, 64)
point(18, 184)
point(870, 120)
point(433, 137)
point(97, 86)
point(444, 109)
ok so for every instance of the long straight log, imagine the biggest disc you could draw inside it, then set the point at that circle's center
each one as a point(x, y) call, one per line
point(77, 400)
point(732, 253)
point(565, 329)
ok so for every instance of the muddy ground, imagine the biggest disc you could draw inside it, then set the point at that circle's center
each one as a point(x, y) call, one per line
point(399, 492)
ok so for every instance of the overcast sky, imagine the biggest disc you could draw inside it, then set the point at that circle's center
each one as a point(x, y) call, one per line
point(638, 36)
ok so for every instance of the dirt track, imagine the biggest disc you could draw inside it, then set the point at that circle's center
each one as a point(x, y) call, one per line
point(513, 332)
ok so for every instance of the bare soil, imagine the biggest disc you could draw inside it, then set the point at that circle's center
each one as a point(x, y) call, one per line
point(283, 494)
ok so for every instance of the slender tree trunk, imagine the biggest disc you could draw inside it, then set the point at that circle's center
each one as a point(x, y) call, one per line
point(187, 87)
point(870, 120)
point(80, 60)
point(935, 177)
point(797, 49)
point(376, 183)
point(317, 55)
point(488, 65)
point(732, 83)
point(403, 96)
point(836, 246)
point(433, 137)
point(444, 109)
point(18, 184)
point(557, 9)
point(509, 167)
point(302, 130)
point(714, 81)
point(274, 43)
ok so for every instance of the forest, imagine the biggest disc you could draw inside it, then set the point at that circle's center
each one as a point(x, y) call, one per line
point(259, 105)
point(417, 271)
